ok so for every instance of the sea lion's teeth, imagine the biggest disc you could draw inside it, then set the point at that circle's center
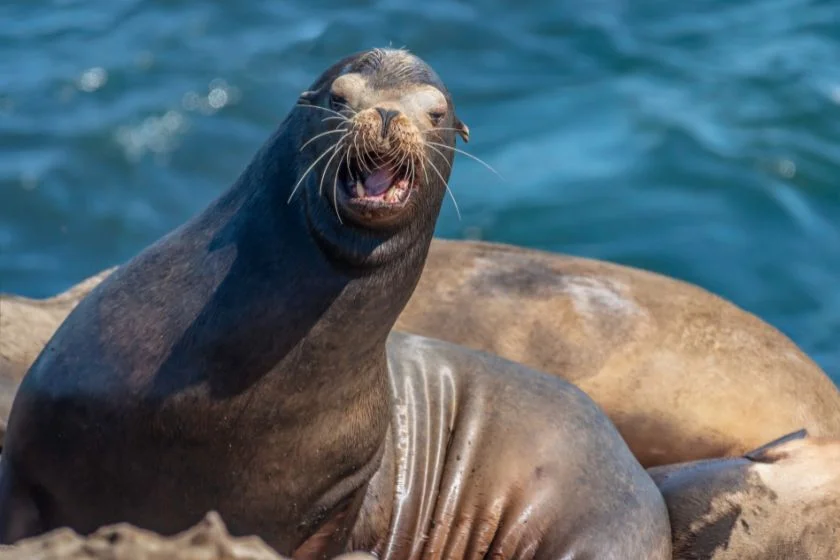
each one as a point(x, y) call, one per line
point(360, 189)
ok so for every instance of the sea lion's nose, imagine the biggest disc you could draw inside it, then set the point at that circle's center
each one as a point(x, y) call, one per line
point(387, 116)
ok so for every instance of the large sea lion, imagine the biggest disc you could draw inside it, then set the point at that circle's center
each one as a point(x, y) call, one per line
point(240, 364)
point(778, 502)
point(683, 374)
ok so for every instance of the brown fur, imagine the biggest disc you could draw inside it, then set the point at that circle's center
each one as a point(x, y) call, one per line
point(488, 459)
point(779, 503)
point(682, 373)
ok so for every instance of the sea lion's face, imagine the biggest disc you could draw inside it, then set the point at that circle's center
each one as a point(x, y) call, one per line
point(383, 146)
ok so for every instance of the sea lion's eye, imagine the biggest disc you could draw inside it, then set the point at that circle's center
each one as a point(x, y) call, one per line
point(338, 102)
point(436, 116)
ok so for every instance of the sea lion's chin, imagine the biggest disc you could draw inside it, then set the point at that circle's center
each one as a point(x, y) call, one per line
point(375, 195)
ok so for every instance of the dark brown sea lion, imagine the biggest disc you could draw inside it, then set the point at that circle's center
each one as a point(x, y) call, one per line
point(240, 364)
point(779, 502)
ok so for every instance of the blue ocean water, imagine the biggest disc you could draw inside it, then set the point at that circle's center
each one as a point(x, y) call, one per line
point(696, 139)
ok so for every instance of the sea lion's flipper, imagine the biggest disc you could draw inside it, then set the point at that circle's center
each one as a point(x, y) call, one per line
point(20, 516)
point(768, 453)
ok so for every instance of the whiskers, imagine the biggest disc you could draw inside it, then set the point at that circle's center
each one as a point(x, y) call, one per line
point(343, 128)
point(340, 147)
point(331, 149)
point(469, 155)
point(336, 113)
point(436, 147)
point(321, 135)
point(353, 145)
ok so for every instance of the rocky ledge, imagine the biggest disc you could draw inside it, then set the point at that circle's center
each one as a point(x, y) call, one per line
point(208, 540)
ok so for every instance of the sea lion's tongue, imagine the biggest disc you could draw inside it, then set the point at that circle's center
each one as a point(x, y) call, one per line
point(379, 181)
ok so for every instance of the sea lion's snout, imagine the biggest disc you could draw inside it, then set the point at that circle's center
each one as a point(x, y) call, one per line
point(384, 157)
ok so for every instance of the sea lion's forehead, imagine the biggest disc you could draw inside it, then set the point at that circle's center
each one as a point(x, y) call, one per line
point(360, 91)
point(393, 69)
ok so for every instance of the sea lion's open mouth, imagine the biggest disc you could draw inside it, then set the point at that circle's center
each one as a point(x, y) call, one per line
point(377, 184)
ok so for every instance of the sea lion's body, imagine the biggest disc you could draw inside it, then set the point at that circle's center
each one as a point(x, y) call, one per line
point(476, 469)
point(779, 502)
point(683, 374)
point(241, 364)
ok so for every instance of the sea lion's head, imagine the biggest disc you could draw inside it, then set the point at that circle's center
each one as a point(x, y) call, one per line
point(381, 135)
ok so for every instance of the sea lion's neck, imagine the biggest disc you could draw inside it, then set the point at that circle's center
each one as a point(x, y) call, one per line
point(350, 285)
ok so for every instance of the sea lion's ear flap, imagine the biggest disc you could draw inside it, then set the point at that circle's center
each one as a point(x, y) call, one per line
point(770, 452)
point(463, 130)
point(307, 97)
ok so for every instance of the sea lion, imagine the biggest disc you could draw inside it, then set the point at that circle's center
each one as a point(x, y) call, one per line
point(684, 374)
point(243, 364)
point(778, 502)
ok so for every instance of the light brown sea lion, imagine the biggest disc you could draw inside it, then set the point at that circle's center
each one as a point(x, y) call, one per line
point(240, 364)
point(683, 374)
point(779, 502)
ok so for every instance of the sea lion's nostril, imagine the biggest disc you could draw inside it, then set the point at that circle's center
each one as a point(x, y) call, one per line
point(387, 116)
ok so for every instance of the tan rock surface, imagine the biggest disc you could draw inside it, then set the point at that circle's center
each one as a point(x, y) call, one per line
point(208, 540)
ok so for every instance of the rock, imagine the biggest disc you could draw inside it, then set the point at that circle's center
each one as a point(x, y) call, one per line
point(208, 540)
